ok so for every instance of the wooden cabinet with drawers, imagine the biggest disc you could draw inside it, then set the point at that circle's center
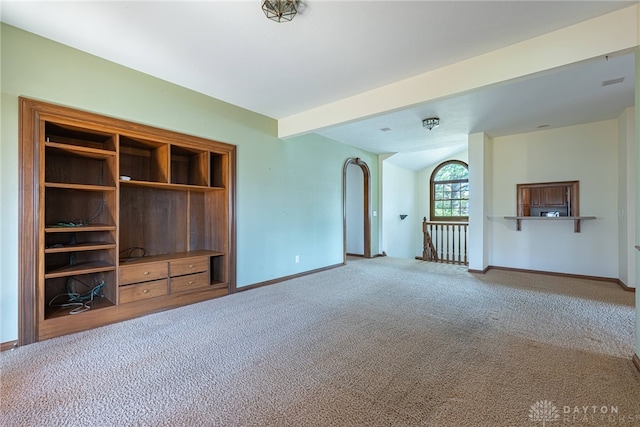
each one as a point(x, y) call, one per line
point(181, 267)
point(189, 274)
point(144, 290)
point(144, 272)
point(126, 218)
point(150, 277)
point(190, 282)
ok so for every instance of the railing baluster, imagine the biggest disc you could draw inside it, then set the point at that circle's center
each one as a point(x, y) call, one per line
point(431, 235)
point(450, 245)
point(465, 245)
point(433, 241)
point(453, 237)
point(424, 239)
point(447, 229)
point(453, 243)
point(434, 237)
point(441, 242)
point(459, 247)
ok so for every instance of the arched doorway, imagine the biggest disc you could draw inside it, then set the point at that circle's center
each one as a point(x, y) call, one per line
point(363, 198)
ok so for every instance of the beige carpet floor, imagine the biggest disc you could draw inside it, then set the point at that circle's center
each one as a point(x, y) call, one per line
point(380, 342)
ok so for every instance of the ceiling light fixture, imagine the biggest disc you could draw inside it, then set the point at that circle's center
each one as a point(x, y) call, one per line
point(431, 122)
point(280, 10)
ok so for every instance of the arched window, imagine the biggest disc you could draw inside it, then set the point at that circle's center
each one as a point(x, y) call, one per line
point(450, 192)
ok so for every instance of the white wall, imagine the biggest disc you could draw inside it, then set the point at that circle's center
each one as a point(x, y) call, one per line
point(626, 197)
point(637, 212)
point(355, 210)
point(401, 238)
point(586, 153)
point(480, 200)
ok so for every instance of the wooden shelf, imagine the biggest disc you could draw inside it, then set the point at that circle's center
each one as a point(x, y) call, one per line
point(53, 312)
point(576, 220)
point(82, 136)
point(76, 150)
point(80, 268)
point(167, 186)
point(52, 228)
point(219, 285)
point(171, 257)
point(84, 187)
point(88, 246)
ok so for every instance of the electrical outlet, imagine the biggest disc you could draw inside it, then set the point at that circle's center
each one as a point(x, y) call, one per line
point(297, 259)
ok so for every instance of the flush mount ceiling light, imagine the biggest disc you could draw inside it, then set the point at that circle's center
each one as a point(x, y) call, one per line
point(431, 122)
point(280, 10)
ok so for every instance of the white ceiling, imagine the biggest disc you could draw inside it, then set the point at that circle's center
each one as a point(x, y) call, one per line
point(335, 49)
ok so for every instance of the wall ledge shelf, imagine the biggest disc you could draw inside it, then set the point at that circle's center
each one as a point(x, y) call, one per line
point(576, 220)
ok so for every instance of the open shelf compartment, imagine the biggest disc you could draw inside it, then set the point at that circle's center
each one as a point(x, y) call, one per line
point(79, 136)
point(73, 208)
point(143, 160)
point(71, 295)
point(219, 170)
point(189, 166)
point(69, 166)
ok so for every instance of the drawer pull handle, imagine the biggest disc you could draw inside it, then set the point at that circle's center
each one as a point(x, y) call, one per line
point(190, 265)
point(146, 273)
point(191, 282)
point(145, 291)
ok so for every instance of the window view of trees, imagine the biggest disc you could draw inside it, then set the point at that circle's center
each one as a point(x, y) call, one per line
point(450, 192)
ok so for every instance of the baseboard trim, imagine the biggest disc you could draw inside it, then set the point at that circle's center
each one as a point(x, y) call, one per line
point(9, 345)
point(570, 275)
point(285, 278)
point(552, 273)
point(636, 361)
point(479, 271)
point(362, 256)
point(625, 287)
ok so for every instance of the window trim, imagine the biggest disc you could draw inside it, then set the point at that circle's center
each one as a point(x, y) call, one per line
point(432, 192)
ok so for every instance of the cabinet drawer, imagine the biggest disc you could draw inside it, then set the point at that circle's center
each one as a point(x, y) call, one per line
point(189, 282)
point(181, 267)
point(142, 272)
point(142, 291)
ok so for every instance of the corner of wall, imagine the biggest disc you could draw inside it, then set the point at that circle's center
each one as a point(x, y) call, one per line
point(626, 197)
point(479, 191)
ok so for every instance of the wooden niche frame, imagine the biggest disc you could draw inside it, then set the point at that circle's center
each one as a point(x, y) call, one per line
point(549, 195)
point(535, 200)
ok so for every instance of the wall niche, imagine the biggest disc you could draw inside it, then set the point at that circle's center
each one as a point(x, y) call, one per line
point(549, 201)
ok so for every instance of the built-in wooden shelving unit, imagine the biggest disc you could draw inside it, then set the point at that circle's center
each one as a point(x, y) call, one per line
point(120, 219)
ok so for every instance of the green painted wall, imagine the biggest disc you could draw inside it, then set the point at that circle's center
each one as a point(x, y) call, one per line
point(637, 177)
point(289, 193)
